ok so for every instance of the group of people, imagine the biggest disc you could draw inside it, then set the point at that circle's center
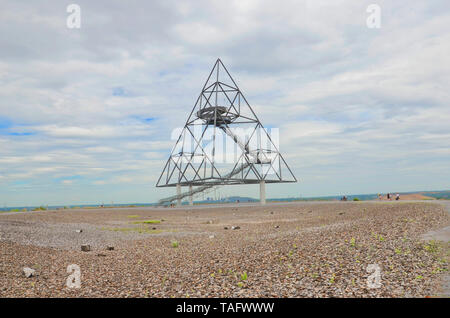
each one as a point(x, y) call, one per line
point(389, 196)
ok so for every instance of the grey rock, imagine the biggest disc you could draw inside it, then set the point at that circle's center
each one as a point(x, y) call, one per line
point(29, 272)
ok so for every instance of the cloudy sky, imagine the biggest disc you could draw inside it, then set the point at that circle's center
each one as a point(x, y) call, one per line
point(86, 114)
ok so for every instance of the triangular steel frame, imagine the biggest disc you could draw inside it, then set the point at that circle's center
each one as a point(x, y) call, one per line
point(212, 116)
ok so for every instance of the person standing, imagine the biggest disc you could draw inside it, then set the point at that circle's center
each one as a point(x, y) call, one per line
point(397, 197)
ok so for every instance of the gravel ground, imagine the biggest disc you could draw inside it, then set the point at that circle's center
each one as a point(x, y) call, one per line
point(280, 250)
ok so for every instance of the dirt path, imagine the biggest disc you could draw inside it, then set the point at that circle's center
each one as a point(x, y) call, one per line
point(444, 236)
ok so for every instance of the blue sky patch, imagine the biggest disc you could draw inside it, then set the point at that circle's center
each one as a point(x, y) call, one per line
point(20, 133)
point(119, 91)
point(5, 123)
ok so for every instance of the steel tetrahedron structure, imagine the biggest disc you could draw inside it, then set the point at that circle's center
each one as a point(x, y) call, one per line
point(223, 142)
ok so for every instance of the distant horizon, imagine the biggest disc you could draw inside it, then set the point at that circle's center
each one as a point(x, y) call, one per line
point(242, 196)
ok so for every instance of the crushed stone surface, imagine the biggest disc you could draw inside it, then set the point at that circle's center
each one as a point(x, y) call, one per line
point(280, 250)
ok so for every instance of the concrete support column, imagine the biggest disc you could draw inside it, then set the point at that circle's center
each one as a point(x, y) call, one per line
point(178, 194)
point(262, 192)
point(191, 201)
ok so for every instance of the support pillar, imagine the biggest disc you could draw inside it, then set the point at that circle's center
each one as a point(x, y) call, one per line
point(178, 194)
point(191, 201)
point(262, 192)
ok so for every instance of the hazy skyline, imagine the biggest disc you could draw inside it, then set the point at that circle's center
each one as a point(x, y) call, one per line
point(86, 115)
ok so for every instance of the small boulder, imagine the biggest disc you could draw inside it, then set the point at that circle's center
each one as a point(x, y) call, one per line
point(110, 248)
point(78, 231)
point(225, 228)
point(277, 226)
point(85, 248)
point(235, 227)
point(29, 272)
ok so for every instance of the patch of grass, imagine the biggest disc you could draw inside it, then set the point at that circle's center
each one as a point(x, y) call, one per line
point(147, 222)
point(240, 284)
point(437, 270)
point(353, 242)
point(133, 216)
point(432, 246)
point(244, 276)
point(41, 208)
point(140, 230)
point(175, 244)
point(355, 199)
point(332, 278)
point(378, 237)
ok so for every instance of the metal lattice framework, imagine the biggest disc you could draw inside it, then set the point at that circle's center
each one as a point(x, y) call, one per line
point(198, 157)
